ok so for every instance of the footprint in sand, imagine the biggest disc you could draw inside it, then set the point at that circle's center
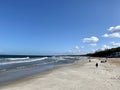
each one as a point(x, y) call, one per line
point(117, 77)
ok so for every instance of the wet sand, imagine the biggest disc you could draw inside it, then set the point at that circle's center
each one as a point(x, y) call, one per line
point(79, 76)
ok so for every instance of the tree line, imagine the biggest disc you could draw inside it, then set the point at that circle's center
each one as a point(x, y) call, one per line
point(105, 53)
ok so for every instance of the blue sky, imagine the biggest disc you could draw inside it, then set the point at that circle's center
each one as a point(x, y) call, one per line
point(58, 26)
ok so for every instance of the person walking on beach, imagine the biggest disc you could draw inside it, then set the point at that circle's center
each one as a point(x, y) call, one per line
point(89, 60)
point(96, 65)
point(106, 59)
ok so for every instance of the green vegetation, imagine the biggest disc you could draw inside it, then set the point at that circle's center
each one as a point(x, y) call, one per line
point(105, 53)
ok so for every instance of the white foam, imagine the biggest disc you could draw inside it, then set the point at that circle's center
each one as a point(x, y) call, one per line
point(14, 59)
point(58, 58)
point(23, 61)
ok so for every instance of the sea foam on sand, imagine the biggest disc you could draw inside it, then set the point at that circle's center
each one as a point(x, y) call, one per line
point(80, 76)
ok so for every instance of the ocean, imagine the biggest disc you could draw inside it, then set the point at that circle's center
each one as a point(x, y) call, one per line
point(12, 69)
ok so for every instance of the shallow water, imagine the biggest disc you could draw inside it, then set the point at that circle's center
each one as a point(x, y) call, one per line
point(16, 68)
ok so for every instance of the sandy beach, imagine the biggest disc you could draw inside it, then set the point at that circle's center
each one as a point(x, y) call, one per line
point(82, 75)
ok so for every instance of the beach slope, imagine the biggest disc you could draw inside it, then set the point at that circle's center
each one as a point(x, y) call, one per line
point(79, 76)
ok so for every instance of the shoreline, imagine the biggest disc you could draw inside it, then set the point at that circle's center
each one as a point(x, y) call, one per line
point(41, 74)
point(84, 76)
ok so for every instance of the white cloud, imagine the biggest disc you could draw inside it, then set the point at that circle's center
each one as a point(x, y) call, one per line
point(115, 32)
point(93, 50)
point(76, 47)
point(115, 29)
point(70, 51)
point(113, 35)
point(105, 47)
point(91, 39)
point(75, 50)
point(114, 44)
point(82, 46)
point(93, 44)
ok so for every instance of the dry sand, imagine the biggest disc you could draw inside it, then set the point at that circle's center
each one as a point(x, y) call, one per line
point(73, 77)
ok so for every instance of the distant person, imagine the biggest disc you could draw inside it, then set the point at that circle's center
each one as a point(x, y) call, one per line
point(106, 59)
point(96, 65)
point(89, 60)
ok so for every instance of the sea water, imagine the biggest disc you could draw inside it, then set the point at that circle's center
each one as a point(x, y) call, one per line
point(15, 68)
